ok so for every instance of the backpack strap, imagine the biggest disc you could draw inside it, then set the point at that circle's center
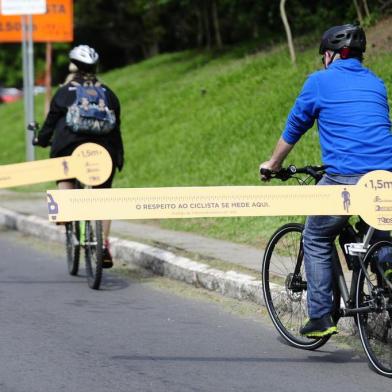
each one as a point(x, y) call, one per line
point(74, 83)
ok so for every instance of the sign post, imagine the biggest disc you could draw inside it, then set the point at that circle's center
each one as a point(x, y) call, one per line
point(26, 8)
point(29, 21)
point(28, 81)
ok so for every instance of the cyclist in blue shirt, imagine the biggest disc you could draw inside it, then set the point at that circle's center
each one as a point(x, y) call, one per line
point(351, 108)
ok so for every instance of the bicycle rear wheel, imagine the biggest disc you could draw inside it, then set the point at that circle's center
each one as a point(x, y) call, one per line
point(93, 253)
point(72, 246)
point(284, 286)
point(375, 327)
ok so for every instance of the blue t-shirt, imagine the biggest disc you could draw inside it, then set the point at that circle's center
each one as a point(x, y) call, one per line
point(351, 108)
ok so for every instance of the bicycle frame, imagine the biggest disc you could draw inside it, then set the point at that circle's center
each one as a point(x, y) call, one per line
point(357, 249)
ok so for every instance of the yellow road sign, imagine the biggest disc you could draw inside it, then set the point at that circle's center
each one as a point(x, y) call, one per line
point(89, 163)
point(371, 198)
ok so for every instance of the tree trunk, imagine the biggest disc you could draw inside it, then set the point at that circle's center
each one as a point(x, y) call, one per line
point(255, 30)
point(359, 13)
point(384, 7)
point(200, 35)
point(206, 23)
point(215, 20)
point(366, 8)
point(288, 30)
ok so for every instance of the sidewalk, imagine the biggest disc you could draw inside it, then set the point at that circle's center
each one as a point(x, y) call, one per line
point(168, 253)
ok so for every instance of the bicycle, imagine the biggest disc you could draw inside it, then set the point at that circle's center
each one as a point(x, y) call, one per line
point(368, 299)
point(86, 235)
point(82, 234)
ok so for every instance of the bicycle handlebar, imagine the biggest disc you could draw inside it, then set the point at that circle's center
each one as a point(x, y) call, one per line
point(33, 127)
point(285, 174)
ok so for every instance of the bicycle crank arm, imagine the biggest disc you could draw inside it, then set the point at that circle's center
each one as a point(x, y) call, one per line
point(354, 311)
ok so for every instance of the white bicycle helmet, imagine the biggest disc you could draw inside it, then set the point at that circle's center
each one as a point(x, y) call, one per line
point(84, 54)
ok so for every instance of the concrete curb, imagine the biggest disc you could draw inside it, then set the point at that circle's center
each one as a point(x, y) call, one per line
point(162, 262)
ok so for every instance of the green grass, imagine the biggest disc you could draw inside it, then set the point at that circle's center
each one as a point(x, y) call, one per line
point(199, 119)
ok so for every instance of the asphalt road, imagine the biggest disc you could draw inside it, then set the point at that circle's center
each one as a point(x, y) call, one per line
point(136, 335)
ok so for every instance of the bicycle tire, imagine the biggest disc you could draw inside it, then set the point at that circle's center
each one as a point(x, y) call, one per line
point(94, 253)
point(286, 308)
point(72, 247)
point(375, 327)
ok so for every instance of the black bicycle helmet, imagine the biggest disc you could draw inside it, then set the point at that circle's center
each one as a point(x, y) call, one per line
point(347, 36)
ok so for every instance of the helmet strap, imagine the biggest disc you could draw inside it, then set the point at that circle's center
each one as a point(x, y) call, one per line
point(331, 61)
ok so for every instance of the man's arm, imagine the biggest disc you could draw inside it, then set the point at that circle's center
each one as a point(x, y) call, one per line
point(281, 151)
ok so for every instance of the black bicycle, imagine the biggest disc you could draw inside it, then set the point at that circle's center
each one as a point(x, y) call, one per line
point(86, 235)
point(82, 234)
point(368, 298)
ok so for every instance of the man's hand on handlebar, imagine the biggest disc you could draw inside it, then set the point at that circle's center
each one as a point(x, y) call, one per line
point(267, 168)
point(291, 171)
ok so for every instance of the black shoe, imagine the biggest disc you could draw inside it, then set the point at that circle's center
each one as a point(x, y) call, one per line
point(107, 261)
point(317, 328)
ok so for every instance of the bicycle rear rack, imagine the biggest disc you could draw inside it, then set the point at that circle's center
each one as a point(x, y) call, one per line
point(360, 248)
point(356, 248)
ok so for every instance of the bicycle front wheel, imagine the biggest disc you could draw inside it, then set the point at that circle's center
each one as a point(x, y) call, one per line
point(72, 247)
point(375, 326)
point(93, 253)
point(284, 286)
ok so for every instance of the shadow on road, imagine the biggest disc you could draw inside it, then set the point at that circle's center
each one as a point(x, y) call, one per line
point(338, 356)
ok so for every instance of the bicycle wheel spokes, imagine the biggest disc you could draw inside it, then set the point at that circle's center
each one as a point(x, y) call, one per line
point(93, 253)
point(375, 327)
point(72, 247)
point(284, 285)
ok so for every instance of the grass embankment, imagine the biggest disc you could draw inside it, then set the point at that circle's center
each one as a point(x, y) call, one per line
point(193, 119)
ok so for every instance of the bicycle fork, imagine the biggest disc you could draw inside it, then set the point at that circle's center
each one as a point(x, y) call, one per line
point(295, 283)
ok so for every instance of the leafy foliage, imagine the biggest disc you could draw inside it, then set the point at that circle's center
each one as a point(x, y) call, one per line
point(201, 119)
point(127, 31)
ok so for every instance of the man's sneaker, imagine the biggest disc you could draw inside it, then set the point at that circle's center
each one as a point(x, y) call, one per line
point(319, 327)
point(107, 261)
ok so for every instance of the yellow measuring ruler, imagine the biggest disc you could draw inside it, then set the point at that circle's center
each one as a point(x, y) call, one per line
point(89, 163)
point(371, 198)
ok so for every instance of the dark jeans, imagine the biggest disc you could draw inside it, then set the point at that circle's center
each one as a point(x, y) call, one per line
point(319, 235)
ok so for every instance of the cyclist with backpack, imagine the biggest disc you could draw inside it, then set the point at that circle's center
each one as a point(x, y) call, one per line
point(84, 110)
point(351, 108)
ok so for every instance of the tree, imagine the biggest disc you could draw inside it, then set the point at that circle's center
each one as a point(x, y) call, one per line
point(359, 12)
point(288, 30)
point(215, 19)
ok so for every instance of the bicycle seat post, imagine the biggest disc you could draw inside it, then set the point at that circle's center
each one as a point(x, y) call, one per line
point(368, 237)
